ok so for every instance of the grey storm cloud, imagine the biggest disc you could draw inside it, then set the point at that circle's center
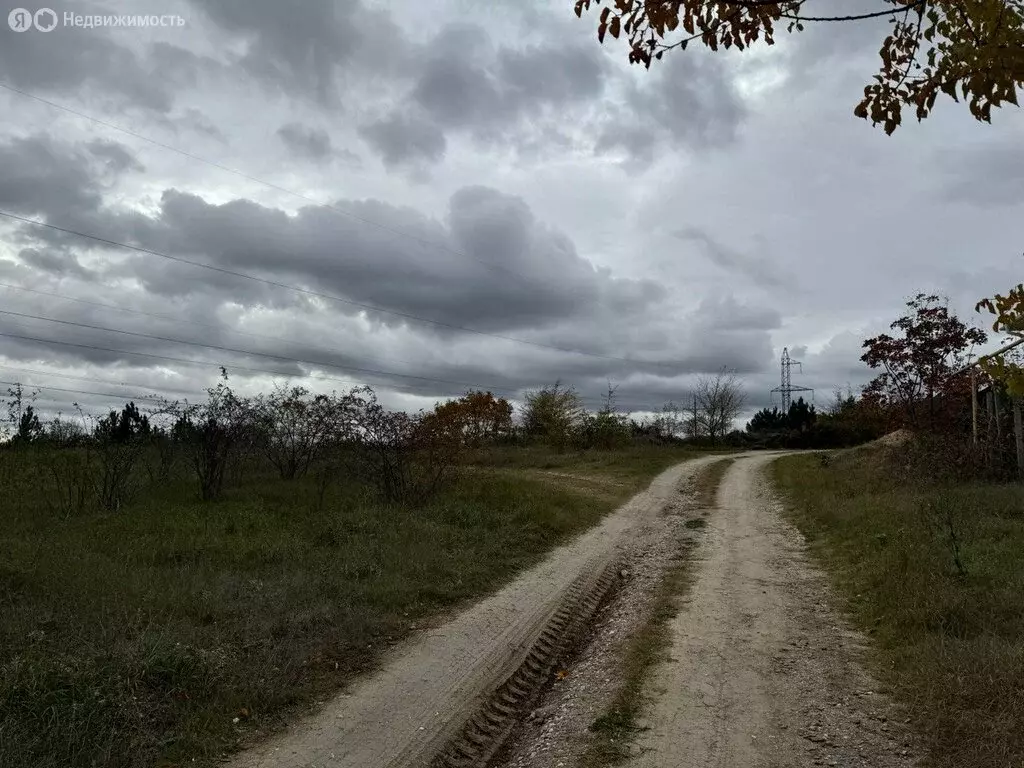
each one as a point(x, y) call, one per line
point(759, 270)
point(990, 174)
point(466, 83)
point(405, 138)
point(696, 102)
point(455, 87)
point(823, 52)
point(553, 73)
point(688, 101)
point(469, 86)
point(68, 59)
point(194, 120)
point(55, 262)
point(490, 264)
point(304, 49)
point(493, 265)
point(726, 313)
point(45, 176)
point(306, 142)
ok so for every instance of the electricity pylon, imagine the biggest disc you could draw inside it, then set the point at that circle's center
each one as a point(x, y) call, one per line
point(787, 389)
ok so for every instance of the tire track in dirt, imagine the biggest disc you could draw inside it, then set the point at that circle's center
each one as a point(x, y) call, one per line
point(763, 672)
point(558, 731)
point(406, 713)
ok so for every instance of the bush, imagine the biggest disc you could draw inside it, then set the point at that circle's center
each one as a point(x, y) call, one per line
point(605, 430)
point(829, 434)
point(479, 417)
point(553, 415)
point(294, 429)
point(822, 434)
point(114, 474)
point(407, 459)
point(69, 490)
point(932, 458)
point(653, 432)
point(214, 433)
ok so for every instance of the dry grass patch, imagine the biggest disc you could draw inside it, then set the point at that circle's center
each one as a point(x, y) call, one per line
point(935, 576)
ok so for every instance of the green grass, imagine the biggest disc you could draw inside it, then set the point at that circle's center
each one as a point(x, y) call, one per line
point(175, 630)
point(949, 643)
point(635, 465)
point(706, 482)
point(615, 728)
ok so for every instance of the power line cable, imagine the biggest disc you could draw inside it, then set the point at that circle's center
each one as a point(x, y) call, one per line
point(217, 365)
point(153, 398)
point(172, 318)
point(73, 377)
point(235, 350)
point(169, 358)
point(327, 296)
point(117, 396)
point(264, 371)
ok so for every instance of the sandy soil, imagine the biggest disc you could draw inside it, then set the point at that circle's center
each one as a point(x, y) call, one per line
point(426, 691)
point(764, 673)
point(557, 732)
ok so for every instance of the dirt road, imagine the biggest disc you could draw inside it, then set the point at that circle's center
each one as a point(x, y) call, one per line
point(423, 695)
point(764, 674)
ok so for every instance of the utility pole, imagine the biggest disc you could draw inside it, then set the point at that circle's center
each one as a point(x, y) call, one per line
point(786, 389)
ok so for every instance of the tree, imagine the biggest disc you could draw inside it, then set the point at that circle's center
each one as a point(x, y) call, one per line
point(64, 432)
point(607, 428)
point(480, 416)
point(972, 50)
point(123, 427)
point(30, 428)
point(553, 414)
point(719, 401)
point(767, 420)
point(918, 364)
point(841, 403)
point(801, 415)
point(21, 416)
point(671, 421)
point(1009, 319)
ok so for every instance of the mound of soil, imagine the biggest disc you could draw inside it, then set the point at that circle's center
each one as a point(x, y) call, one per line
point(899, 437)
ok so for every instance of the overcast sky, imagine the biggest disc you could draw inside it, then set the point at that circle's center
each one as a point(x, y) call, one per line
point(524, 205)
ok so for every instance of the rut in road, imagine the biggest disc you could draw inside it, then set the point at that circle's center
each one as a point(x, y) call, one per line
point(407, 713)
point(763, 673)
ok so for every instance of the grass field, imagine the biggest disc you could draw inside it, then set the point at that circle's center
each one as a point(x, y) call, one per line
point(949, 638)
point(174, 630)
